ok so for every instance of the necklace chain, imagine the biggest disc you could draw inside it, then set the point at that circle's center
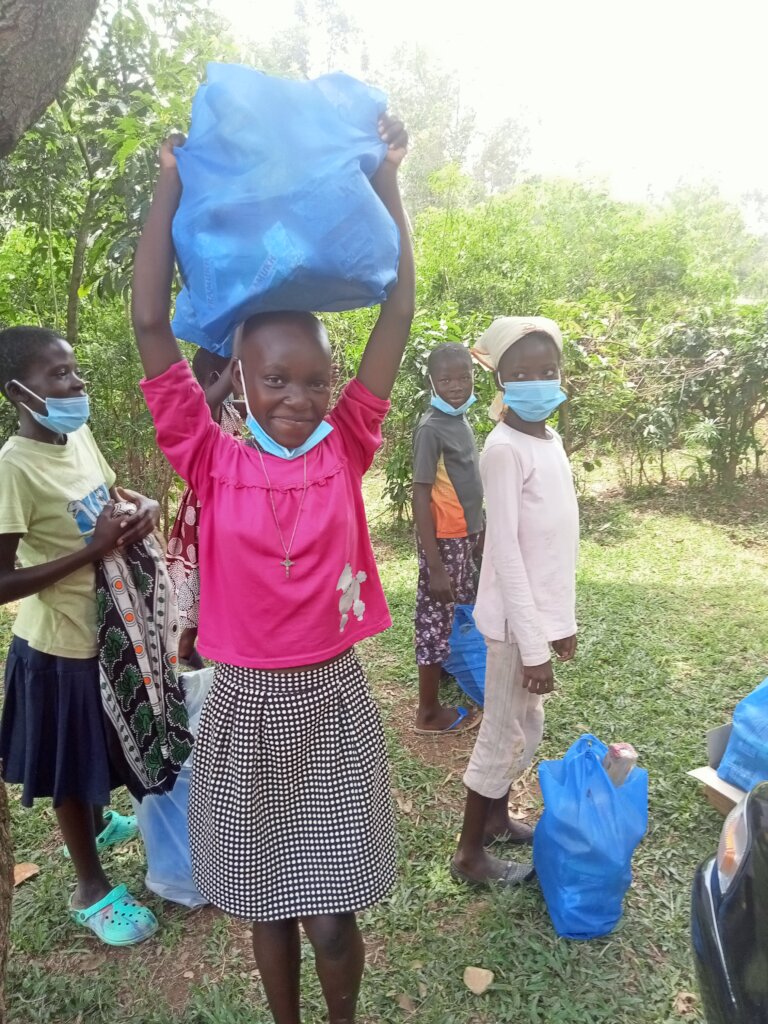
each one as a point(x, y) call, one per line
point(286, 549)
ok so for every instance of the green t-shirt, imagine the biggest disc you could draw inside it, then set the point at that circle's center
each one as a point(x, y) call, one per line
point(52, 494)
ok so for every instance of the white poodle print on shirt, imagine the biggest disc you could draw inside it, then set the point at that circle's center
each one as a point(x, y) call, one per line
point(349, 585)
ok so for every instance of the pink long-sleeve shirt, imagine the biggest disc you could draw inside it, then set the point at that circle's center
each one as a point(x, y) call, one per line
point(527, 585)
point(251, 615)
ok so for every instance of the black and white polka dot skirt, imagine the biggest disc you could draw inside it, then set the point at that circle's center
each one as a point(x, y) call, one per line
point(290, 812)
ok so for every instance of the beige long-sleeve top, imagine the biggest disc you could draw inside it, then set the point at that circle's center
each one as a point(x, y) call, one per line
point(527, 586)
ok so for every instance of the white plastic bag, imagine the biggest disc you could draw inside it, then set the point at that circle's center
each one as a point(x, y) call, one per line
point(163, 818)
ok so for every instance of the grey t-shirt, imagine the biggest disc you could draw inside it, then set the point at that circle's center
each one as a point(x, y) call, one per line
point(445, 456)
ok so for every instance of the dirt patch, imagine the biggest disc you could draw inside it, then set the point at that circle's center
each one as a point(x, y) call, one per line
point(173, 972)
point(448, 752)
point(451, 754)
point(169, 969)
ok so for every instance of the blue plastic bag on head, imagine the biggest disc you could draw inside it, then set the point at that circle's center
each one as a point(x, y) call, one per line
point(745, 761)
point(466, 662)
point(584, 840)
point(277, 211)
point(186, 326)
point(162, 818)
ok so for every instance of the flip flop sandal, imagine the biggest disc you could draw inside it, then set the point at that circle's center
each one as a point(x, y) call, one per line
point(515, 874)
point(117, 919)
point(462, 714)
point(120, 829)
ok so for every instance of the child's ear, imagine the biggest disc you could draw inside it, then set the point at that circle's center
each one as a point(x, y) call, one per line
point(213, 376)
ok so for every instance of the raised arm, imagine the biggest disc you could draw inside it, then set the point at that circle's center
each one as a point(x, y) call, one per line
point(218, 389)
point(384, 351)
point(153, 271)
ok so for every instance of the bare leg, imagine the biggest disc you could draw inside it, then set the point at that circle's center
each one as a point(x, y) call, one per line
point(339, 960)
point(277, 950)
point(500, 825)
point(188, 653)
point(472, 862)
point(431, 713)
point(99, 824)
point(76, 823)
point(471, 857)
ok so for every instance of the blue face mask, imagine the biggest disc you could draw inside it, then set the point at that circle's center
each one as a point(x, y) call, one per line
point(440, 403)
point(269, 445)
point(533, 400)
point(64, 415)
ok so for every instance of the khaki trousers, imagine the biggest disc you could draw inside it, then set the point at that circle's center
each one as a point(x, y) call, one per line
point(512, 725)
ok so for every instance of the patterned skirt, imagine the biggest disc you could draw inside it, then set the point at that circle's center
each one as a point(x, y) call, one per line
point(290, 812)
point(182, 560)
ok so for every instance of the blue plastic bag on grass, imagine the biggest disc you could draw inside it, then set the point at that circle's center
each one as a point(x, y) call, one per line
point(466, 662)
point(162, 818)
point(745, 761)
point(584, 841)
point(277, 210)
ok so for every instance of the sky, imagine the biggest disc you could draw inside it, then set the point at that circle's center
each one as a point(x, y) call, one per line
point(643, 96)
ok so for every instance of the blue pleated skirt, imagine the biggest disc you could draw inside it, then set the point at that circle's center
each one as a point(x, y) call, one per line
point(52, 737)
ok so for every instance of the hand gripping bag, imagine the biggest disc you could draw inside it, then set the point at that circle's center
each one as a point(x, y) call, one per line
point(745, 761)
point(277, 210)
point(162, 818)
point(466, 661)
point(584, 840)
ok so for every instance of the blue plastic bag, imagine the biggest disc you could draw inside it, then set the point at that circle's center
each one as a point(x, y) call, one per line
point(466, 662)
point(162, 818)
point(277, 210)
point(584, 841)
point(745, 761)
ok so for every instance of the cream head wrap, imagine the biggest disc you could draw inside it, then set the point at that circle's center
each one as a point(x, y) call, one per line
point(501, 335)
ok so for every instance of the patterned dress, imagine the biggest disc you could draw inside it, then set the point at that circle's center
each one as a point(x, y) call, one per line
point(181, 556)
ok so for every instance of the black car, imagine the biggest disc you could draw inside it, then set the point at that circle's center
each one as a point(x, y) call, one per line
point(729, 917)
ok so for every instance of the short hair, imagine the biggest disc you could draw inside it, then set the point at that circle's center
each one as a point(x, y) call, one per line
point(447, 350)
point(20, 348)
point(204, 363)
point(286, 316)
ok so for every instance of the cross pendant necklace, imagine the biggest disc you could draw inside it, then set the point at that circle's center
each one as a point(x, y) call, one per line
point(287, 562)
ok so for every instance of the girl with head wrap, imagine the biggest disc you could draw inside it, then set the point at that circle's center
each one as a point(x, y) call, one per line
point(525, 604)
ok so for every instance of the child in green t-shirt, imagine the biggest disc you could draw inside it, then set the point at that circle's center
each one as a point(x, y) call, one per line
point(59, 514)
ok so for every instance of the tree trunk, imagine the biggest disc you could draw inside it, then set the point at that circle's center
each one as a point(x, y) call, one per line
point(39, 43)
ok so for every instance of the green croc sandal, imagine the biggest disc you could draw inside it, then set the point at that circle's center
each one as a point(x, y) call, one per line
point(120, 829)
point(117, 919)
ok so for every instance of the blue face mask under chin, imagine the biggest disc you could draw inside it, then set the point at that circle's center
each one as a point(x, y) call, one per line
point(64, 415)
point(440, 403)
point(533, 400)
point(269, 445)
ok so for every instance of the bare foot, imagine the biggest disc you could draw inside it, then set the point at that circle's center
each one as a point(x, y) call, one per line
point(445, 720)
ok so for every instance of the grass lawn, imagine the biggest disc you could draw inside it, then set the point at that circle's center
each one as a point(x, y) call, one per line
point(673, 612)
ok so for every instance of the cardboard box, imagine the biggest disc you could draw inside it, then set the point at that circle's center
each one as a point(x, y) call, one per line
point(722, 795)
